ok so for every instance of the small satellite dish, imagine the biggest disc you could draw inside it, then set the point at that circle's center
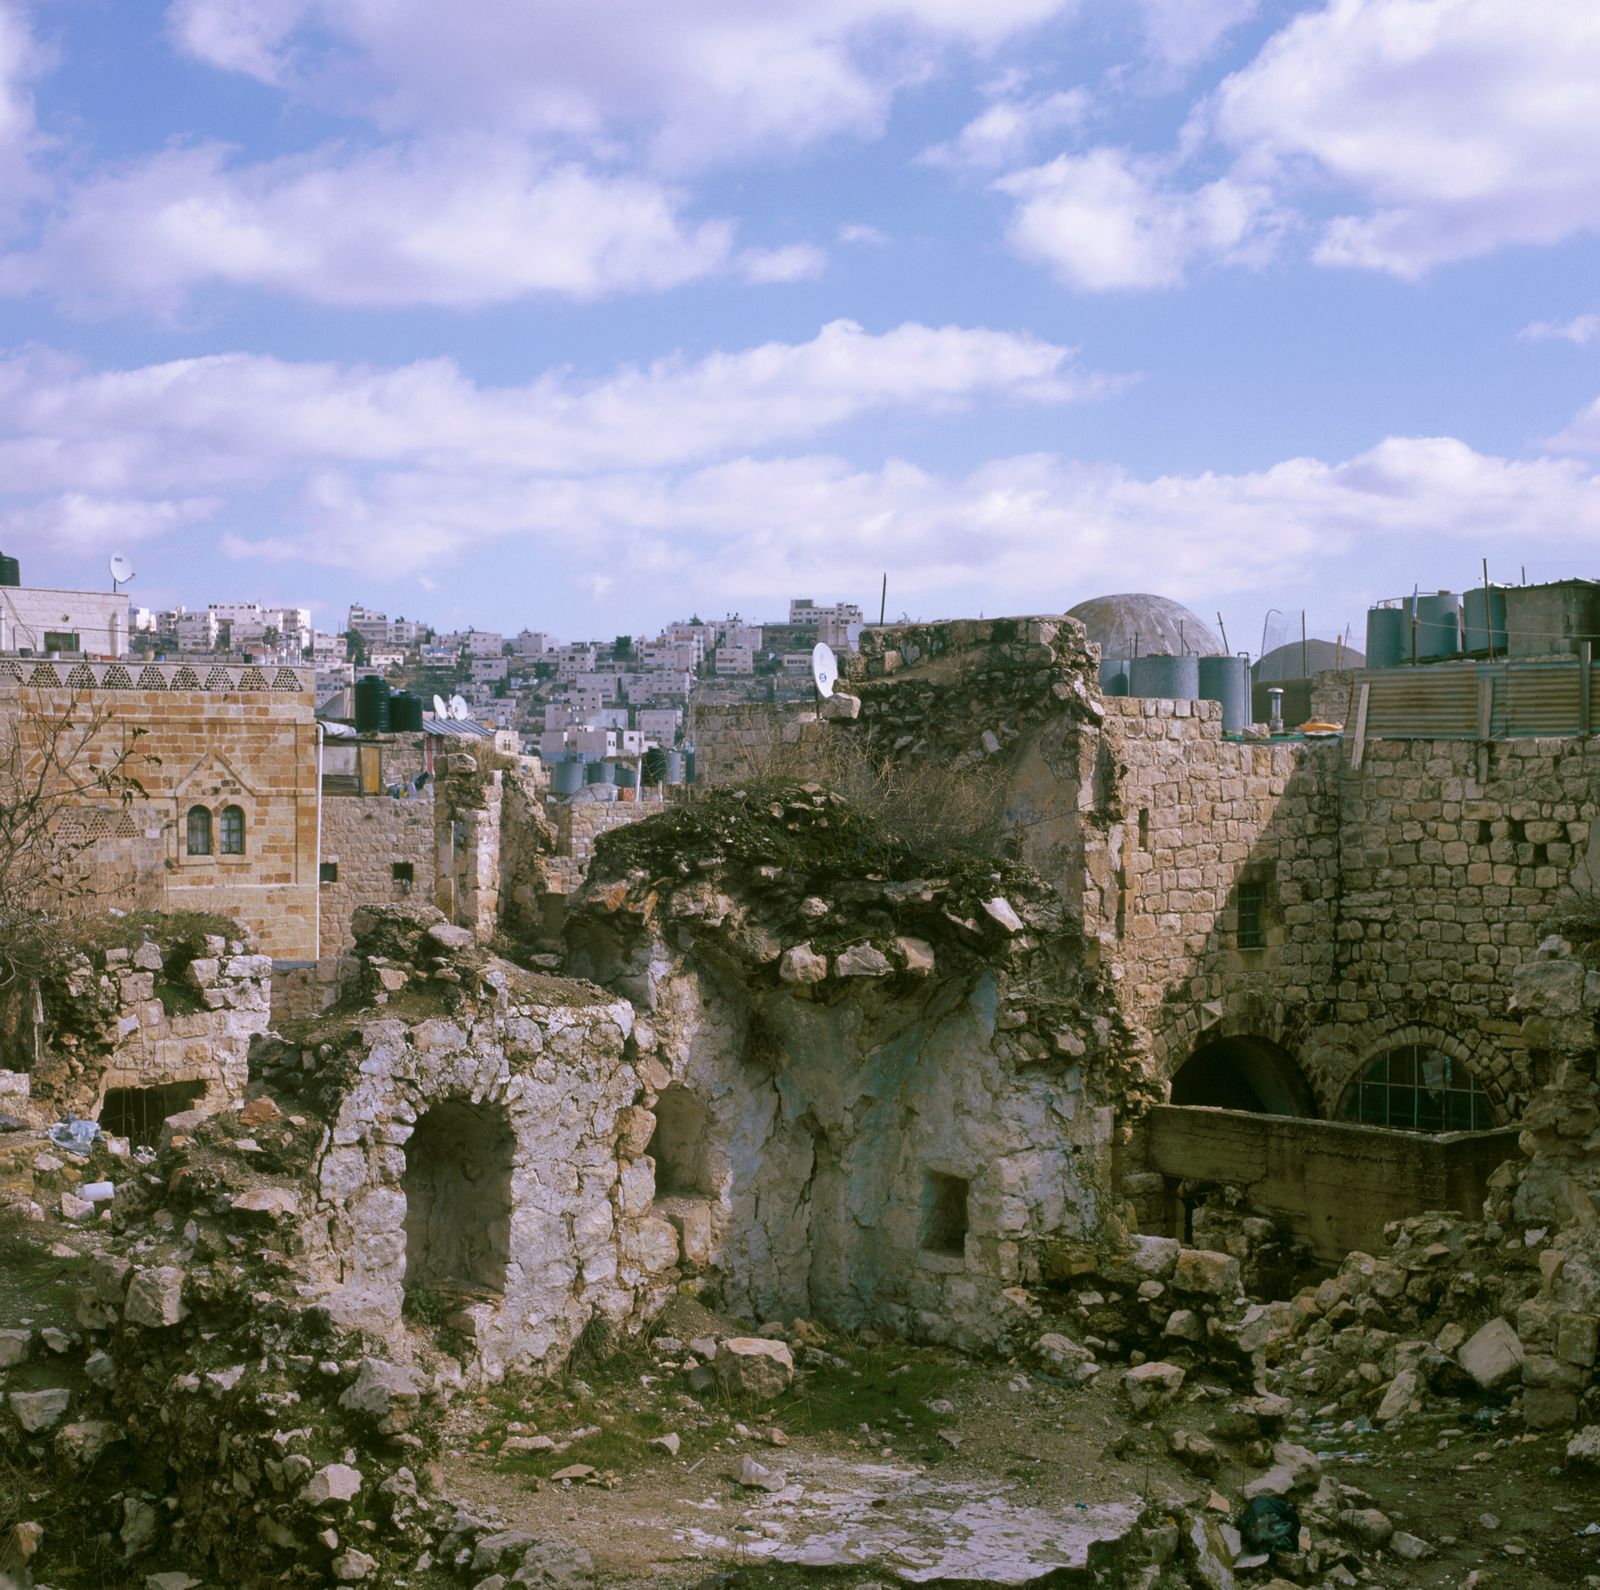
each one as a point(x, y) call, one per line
point(458, 707)
point(121, 570)
point(824, 668)
point(440, 710)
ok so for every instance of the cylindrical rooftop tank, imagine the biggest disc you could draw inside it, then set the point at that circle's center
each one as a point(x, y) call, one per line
point(627, 777)
point(1388, 636)
point(601, 773)
point(1438, 626)
point(1227, 679)
point(372, 705)
point(674, 773)
point(1175, 678)
point(688, 764)
point(566, 778)
point(405, 712)
point(10, 570)
point(1484, 619)
point(1114, 678)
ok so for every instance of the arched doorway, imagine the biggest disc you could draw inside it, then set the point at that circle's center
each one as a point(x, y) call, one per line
point(1244, 1073)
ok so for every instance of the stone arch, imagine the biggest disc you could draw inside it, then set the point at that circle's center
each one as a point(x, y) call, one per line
point(1244, 1071)
point(457, 1187)
point(1418, 1088)
point(1335, 1066)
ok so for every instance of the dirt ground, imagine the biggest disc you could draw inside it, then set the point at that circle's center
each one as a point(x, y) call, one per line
point(902, 1464)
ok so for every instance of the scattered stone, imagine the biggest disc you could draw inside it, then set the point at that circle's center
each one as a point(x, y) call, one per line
point(800, 964)
point(862, 960)
point(1583, 1450)
point(756, 1476)
point(387, 1394)
point(333, 1485)
point(1000, 911)
point(273, 1202)
point(668, 1443)
point(353, 1566)
point(155, 1298)
point(1152, 1386)
point(753, 1366)
point(1411, 1548)
point(36, 1411)
point(1366, 1525)
point(1493, 1355)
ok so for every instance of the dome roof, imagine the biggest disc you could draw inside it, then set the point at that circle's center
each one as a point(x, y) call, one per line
point(1156, 622)
point(1284, 662)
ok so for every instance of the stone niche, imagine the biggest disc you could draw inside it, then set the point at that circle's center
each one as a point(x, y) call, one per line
point(477, 1170)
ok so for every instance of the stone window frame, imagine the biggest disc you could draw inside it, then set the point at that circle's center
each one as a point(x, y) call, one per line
point(231, 828)
point(1260, 879)
point(197, 823)
point(214, 810)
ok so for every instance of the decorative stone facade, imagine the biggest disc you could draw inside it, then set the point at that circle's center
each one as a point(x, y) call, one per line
point(214, 738)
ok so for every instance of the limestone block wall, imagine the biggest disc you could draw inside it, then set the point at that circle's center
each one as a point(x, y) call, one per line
point(226, 737)
point(366, 837)
point(1397, 897)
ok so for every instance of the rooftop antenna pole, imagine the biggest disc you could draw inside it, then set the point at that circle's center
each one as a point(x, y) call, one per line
point(883, 598)
point(1488, 611)
point(1224, 628)
point(1305, 666)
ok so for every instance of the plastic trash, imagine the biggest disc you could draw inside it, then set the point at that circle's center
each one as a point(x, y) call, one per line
point(76, 1137)
point(97, 1192)
point(1269, 1523)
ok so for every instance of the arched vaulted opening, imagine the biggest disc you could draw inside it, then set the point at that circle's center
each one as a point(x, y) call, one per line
point(1244, 1073)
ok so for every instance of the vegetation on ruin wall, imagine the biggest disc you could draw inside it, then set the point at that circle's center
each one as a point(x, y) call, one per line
point(814, 836)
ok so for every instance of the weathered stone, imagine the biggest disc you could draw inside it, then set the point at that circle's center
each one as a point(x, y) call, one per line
point(839, 708)
point(273, 1202)
point(334, 1485)
point(37, 1411)
point(80, 1443)
point(1492, 1355)
point(918, 955)
point(862, 960)
point(155, 1297)
point(801, 964)
point(352, 1566)
point(1367, 1525)
point(753, 1366)
point(1153, 1385)
point(450, 937)
point(1208, 1273)
point(387, 1394)
point(1397, 1397)
point(1000, 911)
point(1061, 1351)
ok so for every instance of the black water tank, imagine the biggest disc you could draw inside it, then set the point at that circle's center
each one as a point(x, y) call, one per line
point(372, 705)
point(405, 712)
point(10, 571)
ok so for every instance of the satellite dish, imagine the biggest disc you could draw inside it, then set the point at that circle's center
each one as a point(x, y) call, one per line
point(121, 570)
point(440, 710)
point(458, 707)
point(824, 668)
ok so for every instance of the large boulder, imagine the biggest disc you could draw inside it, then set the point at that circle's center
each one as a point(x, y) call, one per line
point(1492, 1355)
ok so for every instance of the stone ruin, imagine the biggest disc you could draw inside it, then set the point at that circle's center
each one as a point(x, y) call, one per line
point(797, 1064)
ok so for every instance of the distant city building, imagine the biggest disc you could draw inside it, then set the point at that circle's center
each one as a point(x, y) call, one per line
point(806, 614)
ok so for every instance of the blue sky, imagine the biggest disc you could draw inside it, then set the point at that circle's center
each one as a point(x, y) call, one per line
point(585, 316)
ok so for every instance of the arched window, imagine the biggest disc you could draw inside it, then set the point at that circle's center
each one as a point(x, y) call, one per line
point(1418, 1089)
point(233, 830)
point(199, 835)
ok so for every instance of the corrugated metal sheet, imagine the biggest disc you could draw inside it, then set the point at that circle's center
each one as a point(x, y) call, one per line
point(455, 728)
point(1474, 701)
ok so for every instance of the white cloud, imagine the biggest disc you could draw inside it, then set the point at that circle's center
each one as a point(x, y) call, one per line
point(1179, 34)
point(1008, 131)
point(241, 420)
point(1581, 329)
point(859, 233)
point(706, 80)
point(794, 262)
point(455, 225)
point(1107, 220)
point(1460, 126)
point(83, 521)
point(22, 59)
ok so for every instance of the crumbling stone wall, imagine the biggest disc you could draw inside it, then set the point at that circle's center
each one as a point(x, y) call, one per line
point(904, 1065)
point(365, 837)
point(530, 1214)
point(138, 1018)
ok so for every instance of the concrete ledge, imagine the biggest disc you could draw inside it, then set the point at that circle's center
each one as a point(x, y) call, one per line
point(1335, 1184)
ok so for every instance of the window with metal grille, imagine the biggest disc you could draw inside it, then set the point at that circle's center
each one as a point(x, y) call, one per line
point(198, 836)
point(1418, 1089)
point(232, 831)
point(328, 872)
point(403, 871)
point(1251, 903)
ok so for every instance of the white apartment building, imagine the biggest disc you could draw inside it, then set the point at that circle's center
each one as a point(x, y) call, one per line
point(490, 670)
point(39, 620)
point(605, 682)
point(370, 625)
point(196, 632)
point(734, 660)
point(659, 725)
point(532, 643)
point(326, 648)
point(803, 611)
point(385, 661)
point(407, 632)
